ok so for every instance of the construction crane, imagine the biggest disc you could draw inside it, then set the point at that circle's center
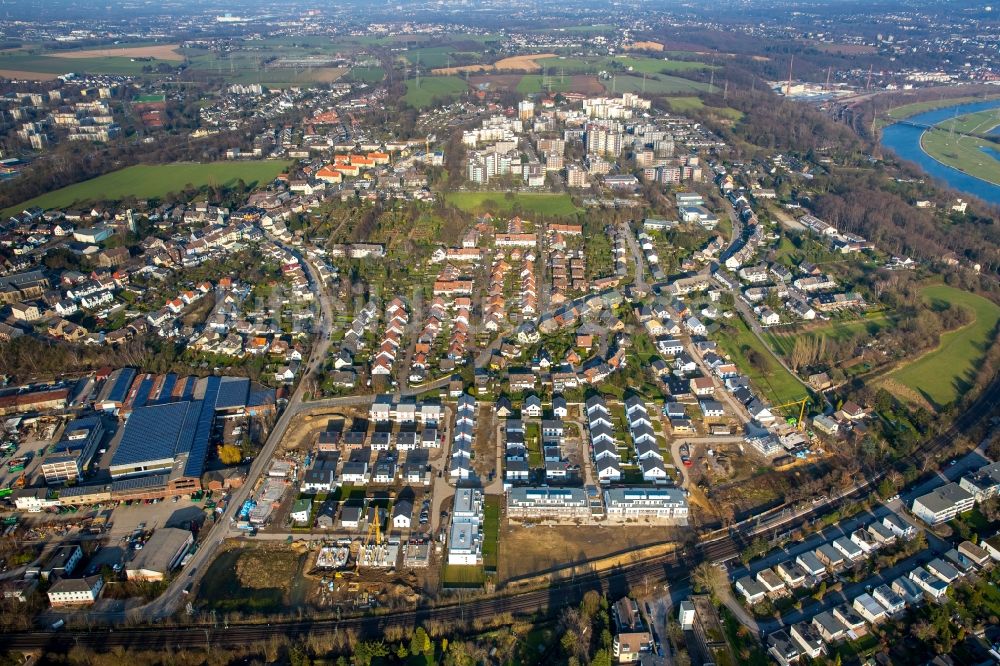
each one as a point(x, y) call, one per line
point(374, 534)
point(801, 422)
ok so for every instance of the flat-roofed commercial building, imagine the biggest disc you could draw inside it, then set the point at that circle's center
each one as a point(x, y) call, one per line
point(661, 504)
point(160, 555)
point(547, 503)
point(70, 457)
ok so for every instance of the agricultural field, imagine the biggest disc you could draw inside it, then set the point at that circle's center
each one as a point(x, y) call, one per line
point(367, 74)
point(556, 205)
point(149, 181)
point(158, 51)
point(682, 104)
point(288, 77)
point(660, 84)
point(521, 63)
point(975, 156)
point(778, 384)
point(531, 84)
point(433, 87)
point(47, 66)
point(644, 65)
point(943, 374)
point(247, 66)
point(431, 57)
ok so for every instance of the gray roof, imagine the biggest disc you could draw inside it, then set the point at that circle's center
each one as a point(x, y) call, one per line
point(161, 548)
point(944, 498)
point(65, 585)
point(830, 623)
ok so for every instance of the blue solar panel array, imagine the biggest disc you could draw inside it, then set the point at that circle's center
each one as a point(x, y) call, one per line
point(119, 390)
point(232, 392)
point(168, 387)
point(188, 391)
point(151, 433)
point(142, 393)
point(199, 449)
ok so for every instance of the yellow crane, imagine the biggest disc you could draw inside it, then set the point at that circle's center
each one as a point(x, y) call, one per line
point(374, 534)
point(801, 421)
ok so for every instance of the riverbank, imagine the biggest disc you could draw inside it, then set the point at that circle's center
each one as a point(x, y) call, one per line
point(958, 143)
point(905, 140)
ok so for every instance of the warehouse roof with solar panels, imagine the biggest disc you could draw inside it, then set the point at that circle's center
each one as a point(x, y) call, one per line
point(173, 438)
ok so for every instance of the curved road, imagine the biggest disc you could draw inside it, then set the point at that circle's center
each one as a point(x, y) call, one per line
point(165, 605)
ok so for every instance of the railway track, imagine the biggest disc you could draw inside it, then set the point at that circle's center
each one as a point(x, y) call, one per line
point(674, 567)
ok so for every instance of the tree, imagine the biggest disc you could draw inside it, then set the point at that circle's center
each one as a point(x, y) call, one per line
point(230, 454)
point(365, 651)
point(709, 578)
point(420, 643)
point(601, 658)
point(569, 641)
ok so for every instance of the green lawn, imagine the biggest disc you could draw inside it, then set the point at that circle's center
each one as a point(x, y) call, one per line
point(455, 575)
point(682, 104)
point(367, 74)
point(659, 84)
point(645, 65)
point(941, 375)
point(908, 110)
point(431, 88)
point(147, 181)
point(533, 442)
point(837, 331)
point(499, 202)
point(771, 378)
point(962, 152)
point(491, 532)
point(531, 84)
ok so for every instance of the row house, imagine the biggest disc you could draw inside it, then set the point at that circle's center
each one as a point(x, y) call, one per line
point(604, 447)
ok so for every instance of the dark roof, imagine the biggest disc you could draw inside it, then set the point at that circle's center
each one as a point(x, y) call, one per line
point(155, 433)
point(232, 392)
point(120, 385)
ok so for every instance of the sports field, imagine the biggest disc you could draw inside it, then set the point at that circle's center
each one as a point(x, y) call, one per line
point(149, 181)
point(944, 373)
point(558, 205)
point(970, 154)
point(433, 87)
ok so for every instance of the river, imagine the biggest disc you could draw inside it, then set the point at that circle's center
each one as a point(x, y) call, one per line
point(904, 140)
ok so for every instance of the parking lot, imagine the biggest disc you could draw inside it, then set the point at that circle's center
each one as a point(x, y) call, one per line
point(126, 519)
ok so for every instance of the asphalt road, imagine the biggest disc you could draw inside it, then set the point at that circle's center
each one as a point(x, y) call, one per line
point(167, 603)
point(621, 581)
point(633, 246)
